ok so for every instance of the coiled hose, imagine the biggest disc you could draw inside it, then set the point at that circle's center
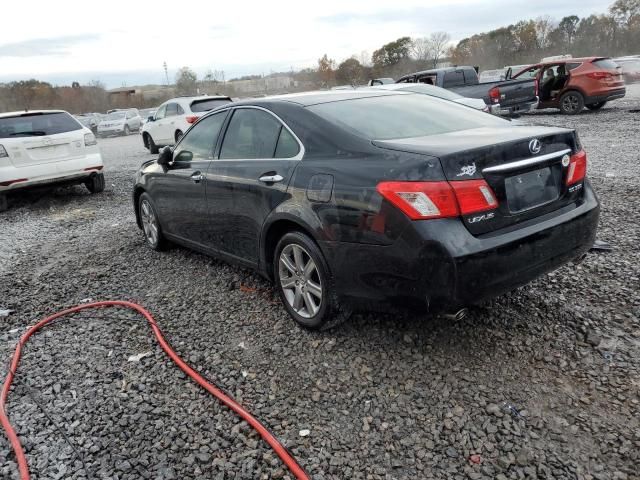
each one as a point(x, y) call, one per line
point(225, 399)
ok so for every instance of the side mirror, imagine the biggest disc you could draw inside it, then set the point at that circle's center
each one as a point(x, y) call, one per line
point(150, 118)
point(184, 156)
point(166, 156)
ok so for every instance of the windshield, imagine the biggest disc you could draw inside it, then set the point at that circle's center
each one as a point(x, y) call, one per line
point(37, 124)
point(206, 105)
point(403, 116)
point(114, 116)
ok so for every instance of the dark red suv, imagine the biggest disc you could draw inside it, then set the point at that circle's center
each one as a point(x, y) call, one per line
point(571, 84)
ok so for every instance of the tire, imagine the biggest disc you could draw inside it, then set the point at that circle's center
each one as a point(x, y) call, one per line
point(571, 103)
point(596, 106)
point(126, 130)
point(178, 135)
point(95, 183)
point(308, 295)
point(4, 203)
point(151, 145)
point(150, 223)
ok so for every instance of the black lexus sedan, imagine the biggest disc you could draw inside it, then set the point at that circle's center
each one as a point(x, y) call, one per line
point(356, 199)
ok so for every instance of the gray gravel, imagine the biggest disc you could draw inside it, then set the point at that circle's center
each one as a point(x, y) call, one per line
point(541, 383)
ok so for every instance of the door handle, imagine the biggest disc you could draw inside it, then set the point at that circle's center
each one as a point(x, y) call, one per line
point(271, 178)
point(197, 177)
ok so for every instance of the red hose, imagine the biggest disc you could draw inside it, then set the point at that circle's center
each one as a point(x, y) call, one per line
point(23, 467)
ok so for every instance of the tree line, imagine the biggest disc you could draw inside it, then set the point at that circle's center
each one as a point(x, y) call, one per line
point(614, 33)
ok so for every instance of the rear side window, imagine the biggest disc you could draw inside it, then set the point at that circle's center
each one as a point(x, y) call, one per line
point(251, 134)
point(37, 124)
point(403, 116)
point(606, 63)
point(207, 104)
point(287, 145)
point(172, 110)
point(453, 79)
point(572, 66)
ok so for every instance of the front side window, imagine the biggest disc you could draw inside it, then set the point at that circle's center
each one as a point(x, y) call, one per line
point(160, 112)
point(251, 134)
point(529, 73)
point(200, 140)
point(37, 124)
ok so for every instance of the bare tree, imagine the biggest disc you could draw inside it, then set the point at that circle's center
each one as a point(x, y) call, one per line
point(439, 46)
point(544, 26)
point(421, 49)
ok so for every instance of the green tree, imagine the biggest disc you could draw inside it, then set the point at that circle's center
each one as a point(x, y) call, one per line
point(392, 53)
point(626, 12)
point(186, 82)
point(350, 72)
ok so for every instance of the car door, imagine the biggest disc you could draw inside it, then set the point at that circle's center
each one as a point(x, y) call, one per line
point(169, 126)
point(180, 193)
point(256, 159)
point(155, 127)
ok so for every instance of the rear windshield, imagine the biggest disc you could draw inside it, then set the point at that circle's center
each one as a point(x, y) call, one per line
point(431, 90)
point(206, 105)
point(606, 63)
point(37, 124)
point(403, 116)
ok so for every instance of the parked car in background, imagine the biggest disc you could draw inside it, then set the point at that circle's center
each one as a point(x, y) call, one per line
point(44, 147)
point(120, 122)
point(438, 92)
point(570, 84)
point(174, 117)
point(89, 120)
point(630, 68)
point(508, 97)
point(499, 74)
point(350, 199)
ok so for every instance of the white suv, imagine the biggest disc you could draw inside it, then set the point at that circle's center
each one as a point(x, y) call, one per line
point(46, 146)
point(120, 122)
point(174, 117)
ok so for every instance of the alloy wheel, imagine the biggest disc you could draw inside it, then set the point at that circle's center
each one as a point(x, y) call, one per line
point(300, 280)
point(149, 222)
point(571, 103)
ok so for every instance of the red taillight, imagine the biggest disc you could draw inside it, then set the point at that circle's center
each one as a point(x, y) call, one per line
point(474, 196)
point(600, 75)
point(11, 182)
point(191, 119)
point(494, 95)
point(577, 168)
point(425, 200)
point(421, 200)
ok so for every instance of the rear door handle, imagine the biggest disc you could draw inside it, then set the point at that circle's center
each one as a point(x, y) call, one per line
point(271, 178)
point(197, 177)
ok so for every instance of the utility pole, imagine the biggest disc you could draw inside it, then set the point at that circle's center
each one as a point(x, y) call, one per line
point(166, 72)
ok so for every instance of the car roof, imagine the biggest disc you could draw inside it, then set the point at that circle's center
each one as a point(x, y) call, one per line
point(322, 96)
point(28, 112)
point(569, 60)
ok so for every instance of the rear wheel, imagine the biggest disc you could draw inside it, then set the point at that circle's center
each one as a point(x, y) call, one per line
point(150, 224)
point(179, 135)
point(571, 103)
point(4, 204)
point(95, 183)
point(596, 106)
point(127, 131)
point(153, 148)
point(304, 283)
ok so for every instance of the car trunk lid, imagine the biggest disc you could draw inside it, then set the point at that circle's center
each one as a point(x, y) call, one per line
point(525, 184)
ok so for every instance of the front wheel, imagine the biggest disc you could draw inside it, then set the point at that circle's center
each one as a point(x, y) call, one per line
point(127, 131)
point(178, 136)
point(596, 106)
point(304, 283)
point(571, 103)
point(153, 148)
point(4, 204)
point(150, 224)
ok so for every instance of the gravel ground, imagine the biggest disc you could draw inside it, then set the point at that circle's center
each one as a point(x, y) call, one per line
point(383, 397)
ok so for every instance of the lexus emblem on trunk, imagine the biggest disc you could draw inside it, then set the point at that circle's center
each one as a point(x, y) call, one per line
point(535, 146)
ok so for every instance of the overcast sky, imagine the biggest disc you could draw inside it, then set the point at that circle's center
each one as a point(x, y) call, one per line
point(126, 42)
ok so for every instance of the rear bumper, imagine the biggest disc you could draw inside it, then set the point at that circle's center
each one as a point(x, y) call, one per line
point(518, 109)
point(68, 171)
point(111, 131)
point(605, 96)
point(439, 265)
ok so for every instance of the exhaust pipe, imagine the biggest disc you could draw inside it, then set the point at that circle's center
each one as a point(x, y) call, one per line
point(459, 315)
